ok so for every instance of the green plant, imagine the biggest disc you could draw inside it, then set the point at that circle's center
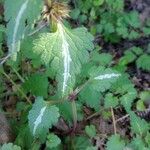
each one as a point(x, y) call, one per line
point(108, 18)
point(55, 71)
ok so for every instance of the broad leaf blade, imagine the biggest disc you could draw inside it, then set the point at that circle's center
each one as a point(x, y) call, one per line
point(10, 146)
point(138, 125)
point(19, 14)
point(115, 143)
point(42, 117)
point(66, 50)
point(37, 84)
point(102, 78)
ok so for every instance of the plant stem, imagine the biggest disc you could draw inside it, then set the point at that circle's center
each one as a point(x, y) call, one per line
point(19, 76)
point(74, 113)
point(95, 114)
point(16, 86)
point(56, 101)
point(114, 121)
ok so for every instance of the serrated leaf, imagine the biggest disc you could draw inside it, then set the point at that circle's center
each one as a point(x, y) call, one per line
point(90, 97)
point(66, 50)
point(52, 141)
point(42, 116)
point(66, 111)
point(80, 143)
point(24, 138)
point(102, 78)
point(10, 146)
point(128, 98)
point(115, 143)
point(20, 14)
point(90, 130)
point(110, 101)
point(129, 57)
point(102, 59)
point(37, 84)
point(137, 143)
point(144, 62)
point(138, 125)
point(125, 88)
point(132, 19)
point(98, 2)
point(27, 51)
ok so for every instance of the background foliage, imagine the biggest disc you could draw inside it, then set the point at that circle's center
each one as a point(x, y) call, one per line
point(99, 99)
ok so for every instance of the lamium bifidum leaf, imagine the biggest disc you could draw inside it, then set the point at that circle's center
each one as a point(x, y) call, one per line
point(143, 62)
point(20, 15)
point(90, 97)
point(115, 143)
point(52, 141)
point(37, 84)
point(42, 116)
point(10, 146)
point(139, 126)
point(102, 78)
point(66, 50)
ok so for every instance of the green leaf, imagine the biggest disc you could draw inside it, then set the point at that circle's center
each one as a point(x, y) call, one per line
point(52, 141)
point(66, 50)
point(146, 30)
point(123, 31)
point(80, 143)
point(144, 95)
point(90, 97)
point(91, 148)
point(10, 146)
point(128, 98)
point(126, 90)
point(75, 13)
point(20, 14)
point(115, 143)
point(37, 84)
point(90, 130)
point(129, 57)
point(137, 143)
point(66, 111)
point(133, 35)
point(144, 62)
point(27, 51)
point(138, 125)
point(42, 116)
point(140, 105)
point(136, 50)
point(98, 2)
point(24, 137)
point(102, 59)
point(116, 5)
point(132, 19)
point(102, 78)
point(110, 101)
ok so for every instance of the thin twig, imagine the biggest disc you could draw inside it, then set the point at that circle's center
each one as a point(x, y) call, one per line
point(114, 122)
point(4, 59)
point(122, 118)
point(19, 76)
point(93, 115)
point(137, 112)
